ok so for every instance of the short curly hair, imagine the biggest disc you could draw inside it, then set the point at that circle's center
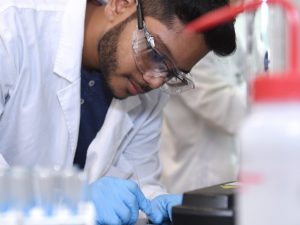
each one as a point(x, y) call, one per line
point(221, 39)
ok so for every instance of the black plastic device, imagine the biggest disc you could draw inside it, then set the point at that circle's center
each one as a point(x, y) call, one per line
point(208, 206)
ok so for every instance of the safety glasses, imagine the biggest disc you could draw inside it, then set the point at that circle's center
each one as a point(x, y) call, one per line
point(152, 59)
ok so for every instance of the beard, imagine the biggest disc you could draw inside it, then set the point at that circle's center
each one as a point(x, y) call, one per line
point(107, 51)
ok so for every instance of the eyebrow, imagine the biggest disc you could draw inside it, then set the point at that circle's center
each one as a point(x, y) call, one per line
point(169, 53)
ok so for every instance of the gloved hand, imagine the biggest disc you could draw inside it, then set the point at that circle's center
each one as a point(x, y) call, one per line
point(162, 207)
point(117, 201)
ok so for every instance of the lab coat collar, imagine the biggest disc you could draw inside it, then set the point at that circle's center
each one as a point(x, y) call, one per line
point(69, 55)
point(130, 103)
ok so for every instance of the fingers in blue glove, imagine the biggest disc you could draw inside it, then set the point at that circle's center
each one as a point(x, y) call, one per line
point(117, 201)
point(162, 208)
point(144, 203)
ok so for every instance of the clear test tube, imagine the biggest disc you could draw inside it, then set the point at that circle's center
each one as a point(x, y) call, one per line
point(46, 182)
point(21, 194)
point(73, 188)
point(4, 200)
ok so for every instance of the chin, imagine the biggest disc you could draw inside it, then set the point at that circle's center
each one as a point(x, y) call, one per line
point(117, 89)
point(119, 94)
point(120, 97)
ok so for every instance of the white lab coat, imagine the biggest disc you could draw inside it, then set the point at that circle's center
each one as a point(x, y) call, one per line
point(40, 58)
point(199, 148)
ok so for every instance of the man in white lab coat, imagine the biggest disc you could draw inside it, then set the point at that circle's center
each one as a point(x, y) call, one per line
point(52, 53)
point(199, 145)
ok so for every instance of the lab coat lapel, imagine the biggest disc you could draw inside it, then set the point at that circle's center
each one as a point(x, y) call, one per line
point(69, 99)
point(105, 146)
point(67, 66)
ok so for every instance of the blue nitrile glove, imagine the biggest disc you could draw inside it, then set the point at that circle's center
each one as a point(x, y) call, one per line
point(117, 201)
point(162, 207)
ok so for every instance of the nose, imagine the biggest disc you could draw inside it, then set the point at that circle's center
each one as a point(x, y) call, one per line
point(153, 81)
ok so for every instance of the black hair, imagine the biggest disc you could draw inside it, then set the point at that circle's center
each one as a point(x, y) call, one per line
point(221, 39)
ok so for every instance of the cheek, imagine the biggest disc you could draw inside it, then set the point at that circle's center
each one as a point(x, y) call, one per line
point(125, 52)
point(126, 60)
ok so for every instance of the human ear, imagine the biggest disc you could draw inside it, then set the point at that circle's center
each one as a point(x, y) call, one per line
point(117, 8)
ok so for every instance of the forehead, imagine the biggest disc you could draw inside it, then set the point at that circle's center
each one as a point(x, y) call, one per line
point(185, 47)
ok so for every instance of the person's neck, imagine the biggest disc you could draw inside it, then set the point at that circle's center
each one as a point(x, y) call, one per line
point(92, 34)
